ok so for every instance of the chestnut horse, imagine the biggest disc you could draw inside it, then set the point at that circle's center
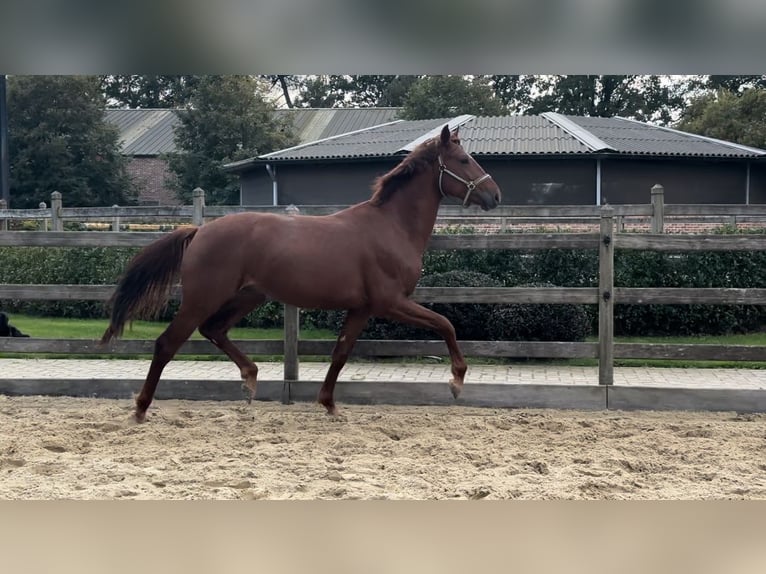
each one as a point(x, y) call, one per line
point(365, 259)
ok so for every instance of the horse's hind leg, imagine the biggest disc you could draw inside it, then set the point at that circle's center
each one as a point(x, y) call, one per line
point(216, 327)
point(165, 348)
point(408, 311)
point(352, 327)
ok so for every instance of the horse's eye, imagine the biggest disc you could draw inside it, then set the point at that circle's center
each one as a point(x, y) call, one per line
point(464, 160)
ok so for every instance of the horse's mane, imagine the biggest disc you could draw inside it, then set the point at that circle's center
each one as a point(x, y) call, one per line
point(417, 160)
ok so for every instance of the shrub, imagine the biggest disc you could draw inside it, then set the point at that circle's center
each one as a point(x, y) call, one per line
point(539, 321)
point(469, 319)
point(61, 266)
point(485, 268)
point(691, 269)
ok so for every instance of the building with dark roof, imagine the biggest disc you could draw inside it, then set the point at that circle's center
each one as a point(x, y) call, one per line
point(147, 134)
point(546, 159)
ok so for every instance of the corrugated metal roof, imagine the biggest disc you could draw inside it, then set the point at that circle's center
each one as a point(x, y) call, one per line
point(546, 134)
point(577, 131)
point(145, 132)
point(498, 135)
point(150, 131)
point(517, 135)
point(378, 141)
point(632, 137)
point(311, 124)
point(344, 133)
point(453, 124)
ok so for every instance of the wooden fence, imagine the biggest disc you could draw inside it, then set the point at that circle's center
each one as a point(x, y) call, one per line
point(605, 239)
point(654, 217)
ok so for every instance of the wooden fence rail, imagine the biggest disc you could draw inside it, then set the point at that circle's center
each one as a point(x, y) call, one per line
point(657, 212)
point(606, 295)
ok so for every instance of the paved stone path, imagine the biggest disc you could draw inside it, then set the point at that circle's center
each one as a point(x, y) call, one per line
point(360, 371)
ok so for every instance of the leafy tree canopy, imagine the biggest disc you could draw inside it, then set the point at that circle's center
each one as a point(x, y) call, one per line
point(228, 119)
point(726, 115)
point(446, 96)
point(735, 84)
point(58, 140)
point(148, 91)
point(330, 91)
point(645, 98)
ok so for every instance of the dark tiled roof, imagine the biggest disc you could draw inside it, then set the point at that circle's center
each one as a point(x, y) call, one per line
point(517, 135)
point(374, 132)
point(546, 134)
point(380, 141)
point(626, 136)
point(498, 135)
point(149, 132)
point(145, 132)
point(312, 124)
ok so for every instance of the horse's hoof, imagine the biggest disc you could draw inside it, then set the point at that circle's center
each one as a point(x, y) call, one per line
point(332, 410)
point(455, 388)
point(251, 393)
point(139, 416)
point(335, 415)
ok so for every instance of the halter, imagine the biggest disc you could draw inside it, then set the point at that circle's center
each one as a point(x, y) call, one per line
point(471, 185)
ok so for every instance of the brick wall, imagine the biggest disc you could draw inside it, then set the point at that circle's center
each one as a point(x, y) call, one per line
point(639, 226)
point(151, 175)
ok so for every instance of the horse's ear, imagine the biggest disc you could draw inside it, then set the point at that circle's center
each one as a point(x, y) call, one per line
point(445, 136)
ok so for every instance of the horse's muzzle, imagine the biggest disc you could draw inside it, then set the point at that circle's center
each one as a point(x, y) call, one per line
point(489, 199)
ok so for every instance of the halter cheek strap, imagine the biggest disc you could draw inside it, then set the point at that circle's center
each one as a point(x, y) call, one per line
point(471, 185)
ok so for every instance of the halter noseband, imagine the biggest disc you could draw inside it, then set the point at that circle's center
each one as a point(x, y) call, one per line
point(471, 185)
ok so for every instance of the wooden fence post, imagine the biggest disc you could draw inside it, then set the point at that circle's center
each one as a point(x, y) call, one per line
point(658, 208)
point(292, 325)
point(116, 220)
point(606, 298)
point(56, 222)
point(292, 334)
point(198, 202)
point(3, 222)
point(44, 221)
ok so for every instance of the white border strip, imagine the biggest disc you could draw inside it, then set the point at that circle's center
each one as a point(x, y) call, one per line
point(453, 123)
point(578, 132)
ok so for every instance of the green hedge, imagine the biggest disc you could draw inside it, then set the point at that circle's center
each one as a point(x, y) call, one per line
point(695, 269)
point(469, 319)
point(565, 268)
point(61, 266)
point(539, 322)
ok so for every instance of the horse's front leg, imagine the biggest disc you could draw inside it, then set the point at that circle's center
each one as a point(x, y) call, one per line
point(408, 311)
point(355, 321)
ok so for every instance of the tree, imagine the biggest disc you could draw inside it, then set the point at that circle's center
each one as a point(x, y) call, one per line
point(728, 116)
point(329, 91)
point(518, 92)
point(645, 98)
point(286, 83)
point(447, 96)
point(736, 84)
point(321, 92)
point(228, 119)
point(148, 91)
point(59, 141)
point(379, 90)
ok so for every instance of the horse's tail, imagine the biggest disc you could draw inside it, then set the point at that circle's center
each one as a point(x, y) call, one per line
point(145, 286)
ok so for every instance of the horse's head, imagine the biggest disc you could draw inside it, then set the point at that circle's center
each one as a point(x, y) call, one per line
point(461, 176)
